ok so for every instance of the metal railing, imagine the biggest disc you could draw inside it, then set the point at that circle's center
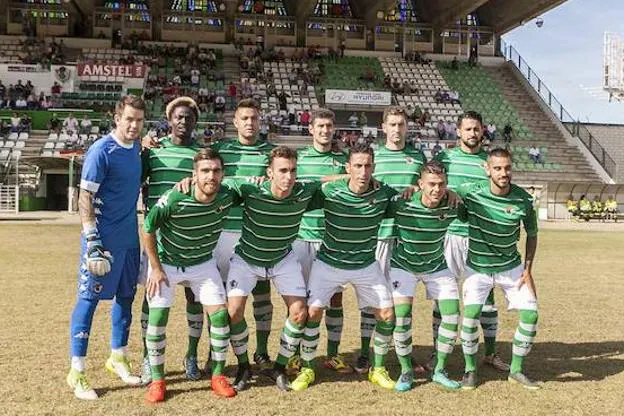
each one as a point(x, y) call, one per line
point(571, 124)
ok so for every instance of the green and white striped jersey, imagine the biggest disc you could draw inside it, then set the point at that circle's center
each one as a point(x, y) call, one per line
point(240, 163)
point(312, 165)
point(270, 225)
point(165, 166)
point(398, 169)
point(352, 223)
point(188, 230)
point(421, 231)
point(495, 225)
point(461, 168)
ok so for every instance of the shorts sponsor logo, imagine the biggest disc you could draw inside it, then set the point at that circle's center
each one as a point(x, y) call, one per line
point(396, 284)
point(308, 292)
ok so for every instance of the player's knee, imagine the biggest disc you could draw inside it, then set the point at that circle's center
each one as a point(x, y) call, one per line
point(386, 315)
point(298, 313)
point(315, 314)
point(336, 300)
point(236, 312)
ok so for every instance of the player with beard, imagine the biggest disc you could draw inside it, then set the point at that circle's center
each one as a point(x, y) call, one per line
point(466, 164)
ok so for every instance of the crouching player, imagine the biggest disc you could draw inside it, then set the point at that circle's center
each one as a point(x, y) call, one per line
point(180, 234)
point(421, 223)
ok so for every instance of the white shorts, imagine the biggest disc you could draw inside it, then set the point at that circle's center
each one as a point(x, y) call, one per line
point(383, 253)
point(477, 287)
point(224, 251)
point(286, 276)
point(456, 254)
point(305, 251)
point(203, 279)
point(439, 285)
point(371, 286)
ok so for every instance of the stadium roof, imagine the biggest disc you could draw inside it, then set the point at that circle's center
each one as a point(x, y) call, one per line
point(501, 15)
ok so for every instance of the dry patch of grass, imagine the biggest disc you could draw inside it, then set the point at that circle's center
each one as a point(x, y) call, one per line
point(579, 350)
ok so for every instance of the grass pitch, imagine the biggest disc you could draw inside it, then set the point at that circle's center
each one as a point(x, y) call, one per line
point(579, 353)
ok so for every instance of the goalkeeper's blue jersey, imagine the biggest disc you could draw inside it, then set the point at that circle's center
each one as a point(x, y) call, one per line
point(112, 171)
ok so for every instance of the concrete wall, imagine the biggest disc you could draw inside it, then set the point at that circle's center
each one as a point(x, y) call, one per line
point(611, 137)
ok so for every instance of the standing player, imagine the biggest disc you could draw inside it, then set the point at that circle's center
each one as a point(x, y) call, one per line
point(109, 259)
point(188, 228)
point(494, 211)
point(313, 163)
point(354, 209)
point(398, 166)
point(246, 157)
point(163, 167)
point(421, 223)
point(466, 164)
point(271, 221)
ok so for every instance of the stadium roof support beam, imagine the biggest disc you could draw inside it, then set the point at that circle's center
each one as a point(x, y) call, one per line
point(447, 12)
point(505, 15)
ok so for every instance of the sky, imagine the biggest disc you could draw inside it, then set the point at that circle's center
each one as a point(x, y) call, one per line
point(567, 55)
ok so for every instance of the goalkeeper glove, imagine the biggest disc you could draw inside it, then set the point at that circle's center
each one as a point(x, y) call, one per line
point(99, 259)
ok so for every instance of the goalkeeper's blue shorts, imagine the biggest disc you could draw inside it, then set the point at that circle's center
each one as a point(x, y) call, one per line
point(121, 281)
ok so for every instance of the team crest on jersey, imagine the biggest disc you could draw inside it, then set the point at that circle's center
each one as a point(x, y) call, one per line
point(443, 216)
point(336, 163)
point(97, 288)
point(220, 209)
point(510, 209)
point(410, 160)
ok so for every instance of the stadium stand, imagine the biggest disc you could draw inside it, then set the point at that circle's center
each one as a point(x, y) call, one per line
point(611, 137)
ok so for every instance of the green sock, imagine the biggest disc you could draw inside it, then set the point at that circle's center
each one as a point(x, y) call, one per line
point(403, 335)
point(367, 326)
point(195, 320)
point(144, 322)
point(383, 334)
point(219, 340)
point(470, 336)
point(309, 343)
point(523, 339)
point(289, 340)
point(239, 338)
point(489, 324)
point(333, 322)
point(156, 341)
point(447, 333)
point(263, 314)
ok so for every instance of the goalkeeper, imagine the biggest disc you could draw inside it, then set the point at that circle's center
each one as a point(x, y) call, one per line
point(109, 260)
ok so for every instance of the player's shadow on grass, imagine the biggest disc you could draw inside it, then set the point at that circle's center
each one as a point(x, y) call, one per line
point(585, 361)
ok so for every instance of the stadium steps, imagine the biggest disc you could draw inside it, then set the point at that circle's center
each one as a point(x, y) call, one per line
point(231, 68)
point(574, 166)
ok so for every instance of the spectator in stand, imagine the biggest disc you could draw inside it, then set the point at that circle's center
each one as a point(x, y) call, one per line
point(507, 134)
point(491, 130)
point(29, 88)
point(363, 120)
point(305, 118)
point(424, 118)
point(85, 125)
point(353, 119)
point(70, 124)
point(441, 129)
point(3, 89)
point(232, 94)
point(15, 123)
point(396, 87)
point(54, 125)
point(451, 130)
point(105, 124)
point(436, 149)
point(207, 135)
point(56, 89)
point(455, 63)
point(292, 115)
point(195, 77)
point(438, 96)
point(535, 155)
point(21, 103)
point(219, 104)
point(387, 82)
point(31, 102)
point(4, 128)
point(282, 98)
point(25, 123)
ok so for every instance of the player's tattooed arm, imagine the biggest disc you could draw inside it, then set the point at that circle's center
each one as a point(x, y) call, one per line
point(86, 209)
